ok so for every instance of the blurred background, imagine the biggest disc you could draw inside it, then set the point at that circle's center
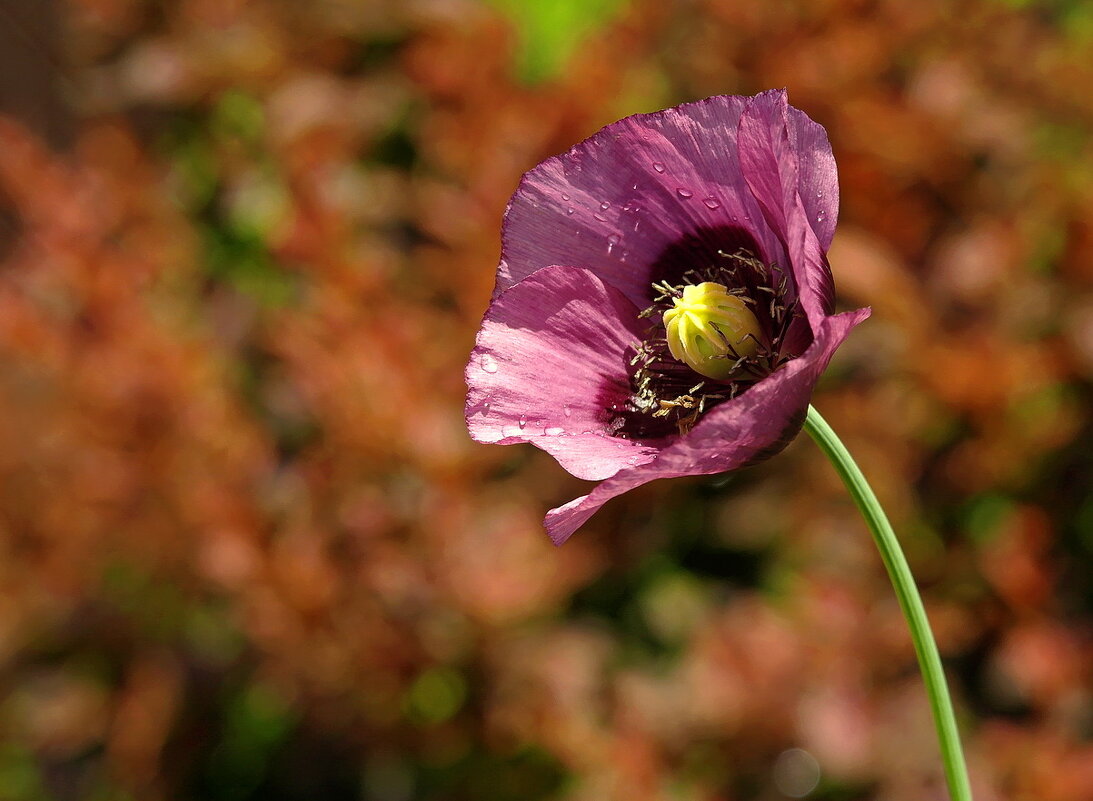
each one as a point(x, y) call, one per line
point(247, 550)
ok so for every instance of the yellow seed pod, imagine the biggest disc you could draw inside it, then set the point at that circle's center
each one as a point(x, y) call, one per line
point(708, 329)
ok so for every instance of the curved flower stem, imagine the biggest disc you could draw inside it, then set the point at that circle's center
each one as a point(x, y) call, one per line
point(956, 772)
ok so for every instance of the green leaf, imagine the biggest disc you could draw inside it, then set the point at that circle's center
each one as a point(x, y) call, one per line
point(551, 30)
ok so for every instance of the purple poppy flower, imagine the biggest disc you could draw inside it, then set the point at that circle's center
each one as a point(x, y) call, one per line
point(664, 304)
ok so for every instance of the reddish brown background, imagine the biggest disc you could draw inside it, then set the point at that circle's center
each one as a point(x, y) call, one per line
point(247, 550)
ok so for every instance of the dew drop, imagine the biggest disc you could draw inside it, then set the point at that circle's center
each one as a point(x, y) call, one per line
point(570, 210)
point(489, 364)
point(486, 408)
point(712, 203)
point(523, 422)
point(599, 217)
point(567, 411)
point(605, 206)
point(611, 242)
point(821, 216)
point(658, 166)
point(685, 193)
point(565, 196)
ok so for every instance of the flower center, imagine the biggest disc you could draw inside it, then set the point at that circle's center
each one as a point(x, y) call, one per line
point(719, 328)
point(711, 330)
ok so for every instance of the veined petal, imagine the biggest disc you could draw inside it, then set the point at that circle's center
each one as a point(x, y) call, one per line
point(817, 175)
point(616, 202)
point(787, 163)
point(549, 365)
point(768, 161)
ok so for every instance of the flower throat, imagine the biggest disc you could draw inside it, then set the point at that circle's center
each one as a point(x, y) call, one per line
point(718, 330)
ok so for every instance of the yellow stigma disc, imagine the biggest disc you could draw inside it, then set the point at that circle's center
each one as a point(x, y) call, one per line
point(709, 329)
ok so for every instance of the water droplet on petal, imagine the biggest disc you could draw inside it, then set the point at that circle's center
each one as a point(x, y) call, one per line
point(600, 217)
point(565, 196)
point(712, 203)
point(821, 216)
point(685, 193)
point(605, 205)
point(658, 166)
point(567, 411)
point(486, 407)
point(523, 422)
point(612, 241)
point(489, 364)
point(570, 210)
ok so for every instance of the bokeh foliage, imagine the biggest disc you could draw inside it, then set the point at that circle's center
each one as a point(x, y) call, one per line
point(248, 551)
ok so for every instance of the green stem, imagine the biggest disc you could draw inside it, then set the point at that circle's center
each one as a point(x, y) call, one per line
point(956, 772)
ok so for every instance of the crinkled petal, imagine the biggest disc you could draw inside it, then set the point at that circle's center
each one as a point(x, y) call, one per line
point(550, 362)
point(817, 175)
point(615, 202)
point(787, 163)
point(739, 432)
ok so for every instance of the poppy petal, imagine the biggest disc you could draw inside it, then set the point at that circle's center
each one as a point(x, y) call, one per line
point(789, 167)
point(549, 364)
point(617, 201)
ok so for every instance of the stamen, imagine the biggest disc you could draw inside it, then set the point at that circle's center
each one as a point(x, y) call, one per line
point(665, 390)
